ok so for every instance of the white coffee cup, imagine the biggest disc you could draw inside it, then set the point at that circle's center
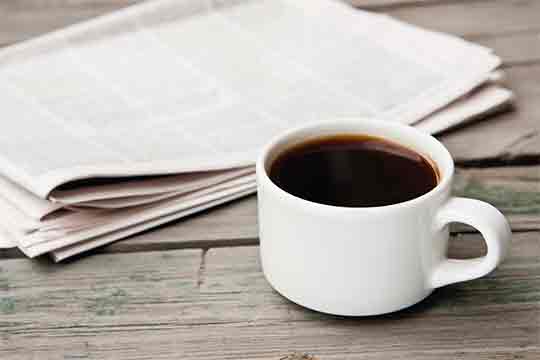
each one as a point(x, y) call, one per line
point(371, 260)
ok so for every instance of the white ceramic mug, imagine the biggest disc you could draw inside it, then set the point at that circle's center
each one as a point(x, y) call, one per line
point(372, 260)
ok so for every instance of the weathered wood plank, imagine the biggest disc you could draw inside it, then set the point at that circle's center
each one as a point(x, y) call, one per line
point(514, 36)
point(514, 48)
point(24, 19)
point(511, 136)
point(328, 341)
point(513, 190)
point(473, 18)
point(174, 304)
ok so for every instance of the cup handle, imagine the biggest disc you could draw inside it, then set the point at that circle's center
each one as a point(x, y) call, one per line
point(493, 227)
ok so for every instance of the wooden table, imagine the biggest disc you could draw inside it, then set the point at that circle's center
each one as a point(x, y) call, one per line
point(194, 289)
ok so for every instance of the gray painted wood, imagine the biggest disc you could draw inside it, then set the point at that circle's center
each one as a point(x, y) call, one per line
point(521, 48)
point(508, 137)
point(386, 4)
point(513, 190)
point(192, 305)
point(473, 18)
point(23, 19)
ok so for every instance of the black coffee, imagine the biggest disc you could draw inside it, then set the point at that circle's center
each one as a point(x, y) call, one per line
point(353, 171)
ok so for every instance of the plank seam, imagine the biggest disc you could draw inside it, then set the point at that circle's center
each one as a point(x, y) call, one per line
point(520, 140)
point(501, 160)
point(164, 326)
point(520, 63)
point(411, 4)
point(205, 246)
point(508, 33)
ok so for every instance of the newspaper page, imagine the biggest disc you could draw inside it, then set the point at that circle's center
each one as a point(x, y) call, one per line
point(168, 87)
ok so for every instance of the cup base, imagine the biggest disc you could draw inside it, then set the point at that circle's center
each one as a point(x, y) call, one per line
point(349, 313)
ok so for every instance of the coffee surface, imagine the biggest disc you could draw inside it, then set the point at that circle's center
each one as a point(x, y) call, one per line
point(353, 171)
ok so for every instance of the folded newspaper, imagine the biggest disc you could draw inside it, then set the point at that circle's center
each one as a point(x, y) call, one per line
point(157, 111)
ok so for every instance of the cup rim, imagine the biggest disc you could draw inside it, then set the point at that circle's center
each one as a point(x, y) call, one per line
point(446, 174)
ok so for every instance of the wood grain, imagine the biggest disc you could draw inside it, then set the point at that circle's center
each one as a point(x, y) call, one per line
point(386, 4)
point(192, 305)
point(508, 137)
point(513, 190)
point(522, 48)
point(473, 18)
point(24, 19)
